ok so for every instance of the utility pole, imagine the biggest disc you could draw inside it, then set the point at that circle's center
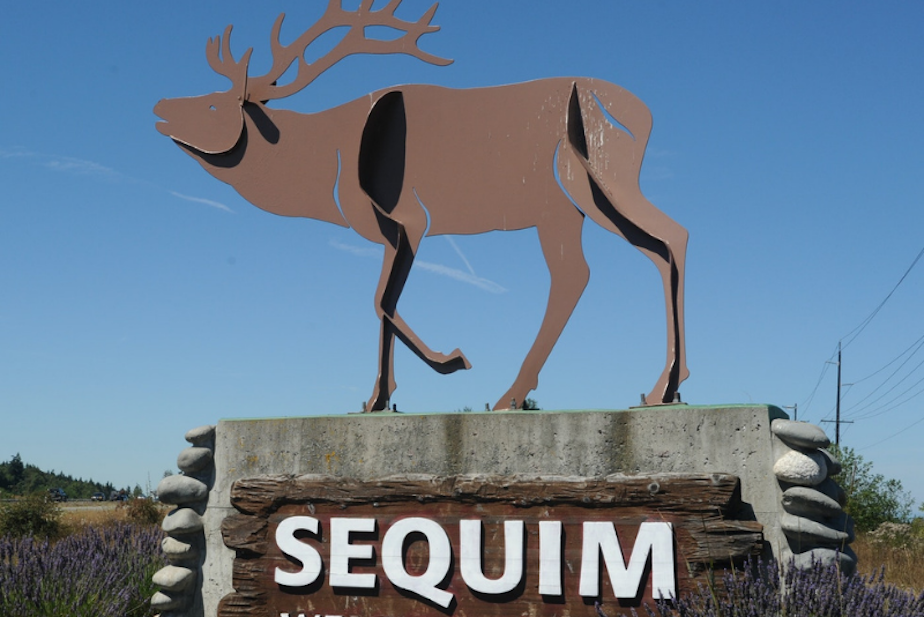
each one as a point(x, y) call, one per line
point(795, 410)
point(838, 421)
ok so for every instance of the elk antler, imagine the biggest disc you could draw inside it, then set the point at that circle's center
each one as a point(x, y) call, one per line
point(264, 88)
point(224, 64)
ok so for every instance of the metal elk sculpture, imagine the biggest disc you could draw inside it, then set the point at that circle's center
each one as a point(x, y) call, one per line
point(421, 160)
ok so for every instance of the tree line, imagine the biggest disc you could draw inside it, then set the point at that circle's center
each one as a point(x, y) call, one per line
point(18, 478)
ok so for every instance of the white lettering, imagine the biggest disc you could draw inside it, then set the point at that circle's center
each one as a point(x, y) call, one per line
point(550, 558)
point(424, 585)
point(470, 561)
point(654, 538)
point(599, 540)
point(341, 551)
point(293, 547)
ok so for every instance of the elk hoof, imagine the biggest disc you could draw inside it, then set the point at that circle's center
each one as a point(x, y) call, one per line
point(377, 403)
point(458, 356)
point(456, 361)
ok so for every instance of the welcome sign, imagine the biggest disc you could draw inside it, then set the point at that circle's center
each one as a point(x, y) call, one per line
point(421, 546)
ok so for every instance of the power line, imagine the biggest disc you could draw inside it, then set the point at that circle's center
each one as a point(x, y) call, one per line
point(876, 443)
point(824, 370)
point(853, 334)
point(879, 411)
point(859, 329)
point(919, 343)
point(887, 392)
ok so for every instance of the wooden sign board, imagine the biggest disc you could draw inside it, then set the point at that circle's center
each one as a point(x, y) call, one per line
point(477, 546)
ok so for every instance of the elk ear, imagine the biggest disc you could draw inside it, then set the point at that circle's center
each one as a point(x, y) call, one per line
point(243, 95)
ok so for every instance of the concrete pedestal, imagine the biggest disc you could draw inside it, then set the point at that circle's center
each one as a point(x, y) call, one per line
point(734, 439)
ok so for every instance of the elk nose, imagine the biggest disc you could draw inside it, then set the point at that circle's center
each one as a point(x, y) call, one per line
point(159, 108)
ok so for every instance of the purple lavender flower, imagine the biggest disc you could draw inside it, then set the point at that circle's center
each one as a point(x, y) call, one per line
point(98, 572)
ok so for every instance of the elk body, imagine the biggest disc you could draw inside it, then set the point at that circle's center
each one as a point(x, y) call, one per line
point(420, 160)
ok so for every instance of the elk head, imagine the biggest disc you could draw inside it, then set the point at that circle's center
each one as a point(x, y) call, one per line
point(213, 123)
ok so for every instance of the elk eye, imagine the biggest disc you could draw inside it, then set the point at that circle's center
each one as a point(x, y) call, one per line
point(211, 108)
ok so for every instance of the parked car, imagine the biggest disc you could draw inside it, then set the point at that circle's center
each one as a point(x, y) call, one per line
point(98, 497)
point(57, 494)
point(118, 496)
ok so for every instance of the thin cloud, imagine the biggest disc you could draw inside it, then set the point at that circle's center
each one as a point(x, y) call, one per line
point(63, 164)
point(454, 273)
point(659, 152)
point(655, 172)
point(202, 200)
point(459, 275)
point(10, 153)
point(461, 255)
point(83, 167)
point(359, 251)
point(80, 167)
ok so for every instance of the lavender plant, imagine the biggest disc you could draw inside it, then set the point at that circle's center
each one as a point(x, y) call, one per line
point(820, 591)
point(98, 572)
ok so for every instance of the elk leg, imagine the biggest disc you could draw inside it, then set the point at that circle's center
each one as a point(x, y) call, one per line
point(560, 239)
point(627, 213)
point(396, 266)
point(664, 242)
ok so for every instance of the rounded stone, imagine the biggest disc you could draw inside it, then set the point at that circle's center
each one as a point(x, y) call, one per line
point(802, 468)
point(834, 463)
point(810, 503)
point(201, 435)
point(177, 550)
point(174, 578)
point(180, 490)
point(800, 434)
point(182, 521)
point(163, 602)
point(833, 490)
point(806, 532)
point(193, 459)
point(846, 559)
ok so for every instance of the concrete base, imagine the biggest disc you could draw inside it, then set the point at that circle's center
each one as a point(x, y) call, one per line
point(734, 439)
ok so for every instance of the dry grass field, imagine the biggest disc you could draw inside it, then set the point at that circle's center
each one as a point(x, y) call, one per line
point(77, 515)
point(903, 563)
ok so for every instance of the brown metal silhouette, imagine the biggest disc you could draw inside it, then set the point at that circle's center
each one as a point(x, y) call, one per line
point(420, 160)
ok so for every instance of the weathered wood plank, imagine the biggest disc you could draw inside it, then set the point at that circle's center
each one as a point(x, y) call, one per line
point(689, 493)
point(719, 541)
point(239, 605)
point(245, 534)
point(698, 507)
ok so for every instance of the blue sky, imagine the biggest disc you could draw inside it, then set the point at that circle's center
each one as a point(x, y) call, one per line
point(141, 297)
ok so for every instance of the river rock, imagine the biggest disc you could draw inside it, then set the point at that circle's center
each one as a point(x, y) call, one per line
point(846, 559)
point(193, 459)
point(163, 602)
point(202, 435)
point(810, 503)
point(800, 434)
point(180, 490)
point(177, 550)
point(833, 490)
point(803, 532)
point(802, 468)
point(834, 463)
point(182, 521)
point(174, 578)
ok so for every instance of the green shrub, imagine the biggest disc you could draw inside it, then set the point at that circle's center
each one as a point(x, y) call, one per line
point(872, 499)
point(142, 511)
point(31, 516)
